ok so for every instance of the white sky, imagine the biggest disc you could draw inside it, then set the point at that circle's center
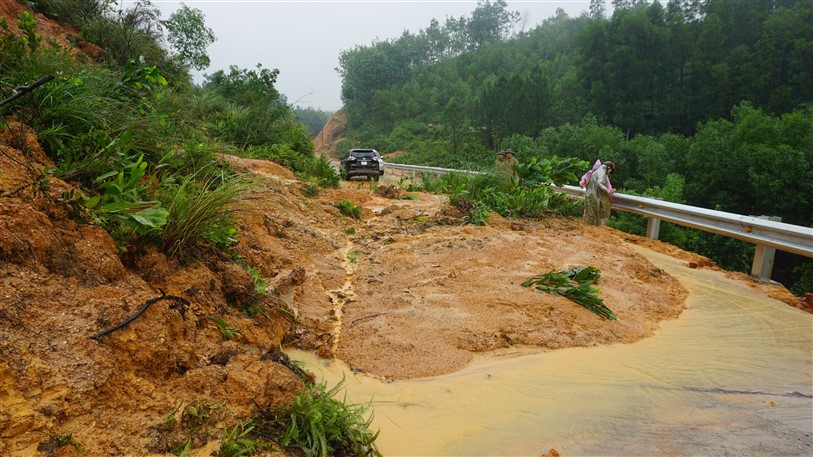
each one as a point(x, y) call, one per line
point(303, 39)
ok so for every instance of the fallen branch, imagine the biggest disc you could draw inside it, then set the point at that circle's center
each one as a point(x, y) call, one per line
point(22, 90)
point(276, 355)
point(144, 307)
point(422, 214)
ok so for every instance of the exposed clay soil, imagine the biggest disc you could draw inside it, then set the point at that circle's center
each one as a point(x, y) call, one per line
point(54, 34)
point(405, 292)
point(408, 292)
point(325, 143)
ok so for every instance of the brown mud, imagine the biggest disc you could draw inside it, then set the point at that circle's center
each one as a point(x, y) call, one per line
point(405, 292)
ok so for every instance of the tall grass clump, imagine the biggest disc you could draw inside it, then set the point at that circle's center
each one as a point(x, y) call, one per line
point(317, 424)
point(73, 12)
point(199, 212)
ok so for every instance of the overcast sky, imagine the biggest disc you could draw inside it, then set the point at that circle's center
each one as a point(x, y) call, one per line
point(303, 38)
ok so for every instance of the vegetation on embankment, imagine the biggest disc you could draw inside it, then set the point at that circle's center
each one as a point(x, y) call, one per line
point(140, 145)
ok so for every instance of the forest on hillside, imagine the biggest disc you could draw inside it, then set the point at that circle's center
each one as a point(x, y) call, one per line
point(702, 102)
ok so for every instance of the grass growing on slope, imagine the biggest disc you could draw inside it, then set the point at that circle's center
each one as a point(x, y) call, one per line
point(320, 425)
point(198, 211)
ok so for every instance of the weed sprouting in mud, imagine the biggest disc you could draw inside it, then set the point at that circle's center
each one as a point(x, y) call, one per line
point(347, 208)
point(227, 330)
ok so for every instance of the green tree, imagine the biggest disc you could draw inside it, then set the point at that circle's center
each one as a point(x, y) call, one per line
point(489, 23)
point(313, 119)
point(453, 119)
point(782, 68)
point(253, 112)
point(750, 167)
point(188, 34)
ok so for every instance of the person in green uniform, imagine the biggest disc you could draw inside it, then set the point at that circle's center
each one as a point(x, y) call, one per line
point(506, 167)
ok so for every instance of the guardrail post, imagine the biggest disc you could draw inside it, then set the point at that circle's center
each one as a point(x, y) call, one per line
point(653, 226)
point(762, 268)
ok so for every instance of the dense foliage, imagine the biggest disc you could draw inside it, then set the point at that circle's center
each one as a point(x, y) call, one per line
point(139, 145)
point(703, 102)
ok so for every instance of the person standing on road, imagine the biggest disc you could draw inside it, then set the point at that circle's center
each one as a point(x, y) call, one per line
point(597, 199)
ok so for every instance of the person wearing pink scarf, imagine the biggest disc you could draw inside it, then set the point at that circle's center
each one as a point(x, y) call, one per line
point(597, 200)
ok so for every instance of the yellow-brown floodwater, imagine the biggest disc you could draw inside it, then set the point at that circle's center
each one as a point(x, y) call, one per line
point(733, 375)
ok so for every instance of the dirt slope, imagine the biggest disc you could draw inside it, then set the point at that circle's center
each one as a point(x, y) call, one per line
point(325, 143)
point(405, 292)
point(53, 33)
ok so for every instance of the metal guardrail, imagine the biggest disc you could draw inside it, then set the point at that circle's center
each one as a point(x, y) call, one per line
point(414, 170)
point(756, 230)
point(767, 234)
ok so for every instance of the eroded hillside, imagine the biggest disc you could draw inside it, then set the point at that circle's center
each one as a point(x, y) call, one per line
point(406, 291)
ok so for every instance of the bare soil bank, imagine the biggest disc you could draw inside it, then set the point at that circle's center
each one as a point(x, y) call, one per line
point(405, 292)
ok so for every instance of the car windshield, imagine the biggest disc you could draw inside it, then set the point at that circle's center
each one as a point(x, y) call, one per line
point(363, 155)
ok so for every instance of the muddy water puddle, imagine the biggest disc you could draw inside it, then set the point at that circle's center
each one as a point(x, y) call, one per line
point(733, 375)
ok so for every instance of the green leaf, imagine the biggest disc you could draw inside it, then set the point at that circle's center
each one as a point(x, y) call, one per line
point(576, 285)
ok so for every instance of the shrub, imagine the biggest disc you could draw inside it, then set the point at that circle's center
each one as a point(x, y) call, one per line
point(120, 207)
point(805, 282)
point(320, 171)
point(198, 212)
